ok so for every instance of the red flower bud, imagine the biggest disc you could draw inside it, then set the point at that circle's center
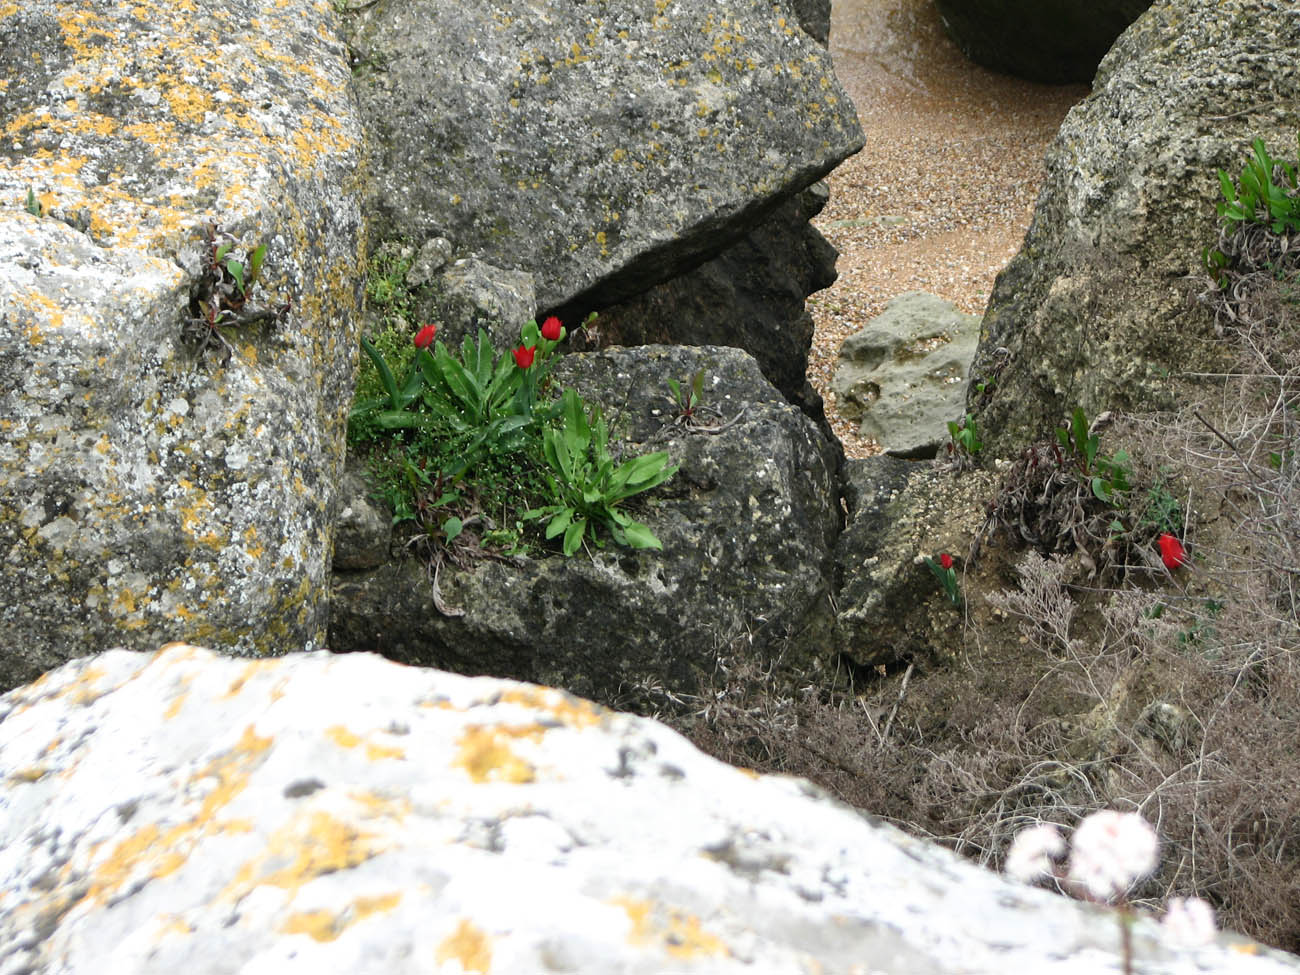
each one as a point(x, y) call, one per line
point(524, 357)
point(945, 560)
point(551, 329)
point(1172, 552)
point(424, 337)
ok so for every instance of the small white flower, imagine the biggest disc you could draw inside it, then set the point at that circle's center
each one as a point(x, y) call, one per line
point(1111, 850)
point(1034, 853)
point(1189, 921)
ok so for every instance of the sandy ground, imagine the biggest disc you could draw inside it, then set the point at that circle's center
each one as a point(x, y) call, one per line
point(941, 196)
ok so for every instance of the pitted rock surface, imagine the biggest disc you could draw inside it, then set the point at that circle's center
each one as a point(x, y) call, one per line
point(748, 526)
point(904, 374)
point(601, 146)
point(145, 494)
point(190, 812)
point(1097, 309)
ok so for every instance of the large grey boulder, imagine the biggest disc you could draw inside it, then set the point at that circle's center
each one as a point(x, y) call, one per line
point(903, 375)
point(148, 493)
point(751, 296)
point(187, 812)
point(748, 525)
point(1097, 308)
point(602, 147)
point(1055, 41)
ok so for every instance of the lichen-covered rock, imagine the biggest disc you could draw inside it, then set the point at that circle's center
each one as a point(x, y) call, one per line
point(601, 146)
point(1097, 309)
point(147, 493)
point(751, 296)
point(187, 812)
point(1055, 41)
point(748, 524)
point(891, 606)
point(904, 374)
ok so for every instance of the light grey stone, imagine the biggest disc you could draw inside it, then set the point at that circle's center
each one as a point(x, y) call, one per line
point(904, 374)
point(189, 812)
point(364, 527)
point(144, 494)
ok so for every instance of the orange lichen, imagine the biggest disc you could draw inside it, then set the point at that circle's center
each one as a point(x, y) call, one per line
point(468, 945)
point(486, 754)
point(680, 935)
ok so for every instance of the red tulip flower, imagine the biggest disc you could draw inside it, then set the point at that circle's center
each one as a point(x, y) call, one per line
point(524, 357)
point(424, 337)
point(1172, 552)
point(945, 560)
point(551, 329)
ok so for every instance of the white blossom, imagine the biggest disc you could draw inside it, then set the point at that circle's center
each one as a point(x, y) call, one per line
point(1189, 921)
point(1034, 853)
point(1111, 850)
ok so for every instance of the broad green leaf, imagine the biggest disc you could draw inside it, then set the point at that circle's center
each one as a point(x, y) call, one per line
point(236, 270)
point(222, 251)
point(639, 536)
point(573, 536)
point(1227, 187)
point(559, 523)
point(255, 263)
point(452, 527)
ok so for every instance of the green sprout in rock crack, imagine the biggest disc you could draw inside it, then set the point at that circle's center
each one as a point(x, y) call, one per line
point(219, 297)
point(33, 205)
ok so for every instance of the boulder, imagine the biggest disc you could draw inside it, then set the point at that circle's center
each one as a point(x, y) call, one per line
point(751, 296)
point(1097, 309)
point(891, 607)
point(904, 374)
point(748, 524)
point(603, 148)
point(188, 812)
point(1056, 41)
point(150, 489)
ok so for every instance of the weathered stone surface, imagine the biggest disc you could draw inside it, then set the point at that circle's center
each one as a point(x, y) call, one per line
point(751, 296)
point(187, 812)
point(891, 607)
point(1056, 41)
point(601, 146)
point(1096, 309)
point(747, 525)
point(904, 374)
point(143, 495)
point(363, 530)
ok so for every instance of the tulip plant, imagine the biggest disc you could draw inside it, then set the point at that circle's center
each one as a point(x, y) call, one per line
point(486, 428)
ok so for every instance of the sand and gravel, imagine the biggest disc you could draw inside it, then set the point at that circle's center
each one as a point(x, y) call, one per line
point(940, 198)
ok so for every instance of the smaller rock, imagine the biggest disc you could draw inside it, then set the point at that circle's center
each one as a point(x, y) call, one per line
point(363, 530)
point(890, 606)
point(472, 294)
point(433, 257)
point(905, 374)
